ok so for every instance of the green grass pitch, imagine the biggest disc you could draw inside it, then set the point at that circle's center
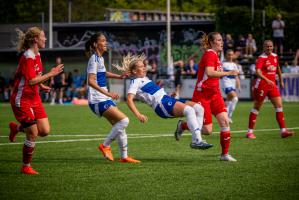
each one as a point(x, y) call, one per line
point(71, 167)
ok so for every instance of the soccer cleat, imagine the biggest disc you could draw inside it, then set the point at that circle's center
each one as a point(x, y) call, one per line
point(106, 152)
point(129, 160)
point(201, 145)
point(13, 127)
point(287, 133)
point(28, 170)
point(179, 131)
point(227, 157)
point(250, 136)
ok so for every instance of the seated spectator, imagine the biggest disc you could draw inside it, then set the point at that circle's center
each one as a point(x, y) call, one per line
point(228, 43)
point(294, 67)
point(286, 67)
point(79, 85)
point(191, 68)
point(241, 45)
point(250, 46)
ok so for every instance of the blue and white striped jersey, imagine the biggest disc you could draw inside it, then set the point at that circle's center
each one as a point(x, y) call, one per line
point(96, 66)
point(146, 91)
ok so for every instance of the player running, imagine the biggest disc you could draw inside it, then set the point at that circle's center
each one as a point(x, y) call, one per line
point(100, 99)
point(267, 66)
point(207, 92)
point(25, 99)
point(165, 106)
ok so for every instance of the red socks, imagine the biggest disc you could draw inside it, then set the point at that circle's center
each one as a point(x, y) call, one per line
point(225, 141)
point(184, 126)
point(280, 119)
point(252, 118)
point(28, 150)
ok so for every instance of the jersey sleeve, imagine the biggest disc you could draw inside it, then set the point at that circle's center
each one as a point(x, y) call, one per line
point(134, 86)
point(28, 69)
point(259, 63)
point(209, 59)
point(92, 66)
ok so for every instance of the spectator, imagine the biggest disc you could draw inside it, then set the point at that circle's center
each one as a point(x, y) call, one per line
point(191, 68)
point(151, 70)
point(228, 43)
point(250, 46)
point(241, 45)
point(69, 90)
point(278, 33)
point(57, 83)
point(79, 85)
point(294, 67)
point(240, 69)
point(286, 68)
point(179, 70)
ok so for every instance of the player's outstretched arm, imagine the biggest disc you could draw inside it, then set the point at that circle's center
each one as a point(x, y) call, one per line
point(216, 74)
point(53, 72)
point(130, 102)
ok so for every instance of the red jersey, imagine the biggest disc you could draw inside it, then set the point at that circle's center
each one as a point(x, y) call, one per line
point(209, 59)
point(29, 67)
point(268, 65)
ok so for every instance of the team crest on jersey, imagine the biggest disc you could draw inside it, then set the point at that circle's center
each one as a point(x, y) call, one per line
point(36, 68)
point(271, 68)
point(169, 103)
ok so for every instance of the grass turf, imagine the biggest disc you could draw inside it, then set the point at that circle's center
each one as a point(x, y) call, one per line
point(267, 167)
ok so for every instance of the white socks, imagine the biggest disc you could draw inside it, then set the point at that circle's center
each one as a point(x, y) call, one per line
point(199, 111)
point(117, 129)
point(123, 144)
point(231, 105)
point(192, 123)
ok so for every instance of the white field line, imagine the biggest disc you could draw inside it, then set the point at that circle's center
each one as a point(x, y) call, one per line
point(80, 140)
point(137, 136)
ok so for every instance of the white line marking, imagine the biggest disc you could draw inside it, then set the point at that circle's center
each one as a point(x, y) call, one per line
point(137, 136)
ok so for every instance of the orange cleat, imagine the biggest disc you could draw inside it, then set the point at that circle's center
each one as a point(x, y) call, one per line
point(287, 133)
point(129, 160)
point(250, 136)
point(13, 127)
point(28, 170)
point(106, 152)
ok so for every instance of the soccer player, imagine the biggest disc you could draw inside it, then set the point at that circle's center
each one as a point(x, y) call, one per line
point(100, 99)
point(230, 83)
point(267, 66)
point(207, 92)
point(165, 106)
point(25, 100)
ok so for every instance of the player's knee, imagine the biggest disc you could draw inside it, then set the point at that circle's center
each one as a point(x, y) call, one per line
point(188, 110)
point(235, 99)
point(123, 123)
point(43, 132)
point(224, 122)
point(198, 108)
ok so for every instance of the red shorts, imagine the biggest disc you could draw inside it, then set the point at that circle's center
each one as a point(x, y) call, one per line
point(261, 89)
point(28, 113)
point(212, 102)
